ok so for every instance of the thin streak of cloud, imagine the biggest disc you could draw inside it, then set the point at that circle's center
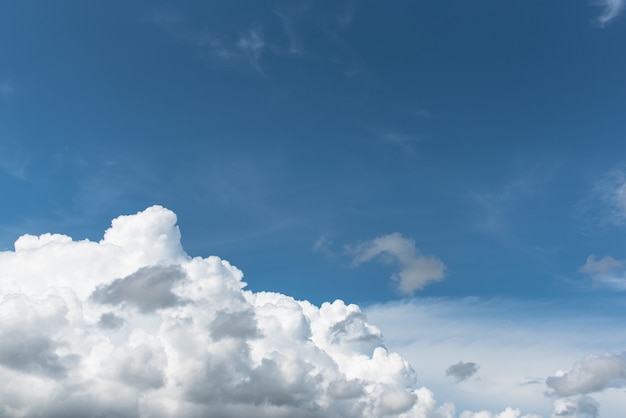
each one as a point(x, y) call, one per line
point(225, 50)
point(610, 10)
point(295, 48)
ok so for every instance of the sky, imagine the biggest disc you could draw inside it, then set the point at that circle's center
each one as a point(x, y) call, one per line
point(452, 174)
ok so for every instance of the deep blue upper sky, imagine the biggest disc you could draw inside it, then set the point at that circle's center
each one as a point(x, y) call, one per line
point(491, 133)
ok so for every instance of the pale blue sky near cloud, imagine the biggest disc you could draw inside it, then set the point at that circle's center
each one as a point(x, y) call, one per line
point(360, 150)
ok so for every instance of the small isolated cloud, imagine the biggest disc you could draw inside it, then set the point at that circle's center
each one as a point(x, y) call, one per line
point(576, 407)
point(606, 271)
point(416, 270)
point(462, 371)
point(610, 10)
point(594, 374)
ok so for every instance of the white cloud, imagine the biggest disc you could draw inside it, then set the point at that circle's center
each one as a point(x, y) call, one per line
point(610, 10)
point(594, 374)
point(133, 326)
point(606, 271)
point(416, 270)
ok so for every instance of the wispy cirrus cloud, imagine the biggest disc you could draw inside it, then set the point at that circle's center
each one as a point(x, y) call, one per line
point(228, 49)
point(604, 204)
point(611, 192)
point(606, 271)
point(295, 46)
point(610, 10)
point(252, 44)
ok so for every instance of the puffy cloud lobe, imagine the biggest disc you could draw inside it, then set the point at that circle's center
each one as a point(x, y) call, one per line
point(132, 326)
point(594, 374)
point(416, 270)
point(462, 371)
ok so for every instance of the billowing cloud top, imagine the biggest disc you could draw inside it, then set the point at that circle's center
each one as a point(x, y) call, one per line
point(133, 326)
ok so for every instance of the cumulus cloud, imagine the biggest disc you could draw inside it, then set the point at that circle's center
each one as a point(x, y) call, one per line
point(596, 373)
point(610, 10)
point(606, 271)
point(133, 326)
point(462, 371)
point(416, 270)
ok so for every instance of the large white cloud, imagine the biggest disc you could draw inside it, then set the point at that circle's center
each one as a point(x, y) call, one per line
point(133, 326)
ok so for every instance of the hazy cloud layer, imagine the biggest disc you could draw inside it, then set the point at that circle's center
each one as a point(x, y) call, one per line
point(416, 270)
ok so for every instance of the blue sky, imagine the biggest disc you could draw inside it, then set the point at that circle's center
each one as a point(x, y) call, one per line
point(373, 152)
point(480, 131)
